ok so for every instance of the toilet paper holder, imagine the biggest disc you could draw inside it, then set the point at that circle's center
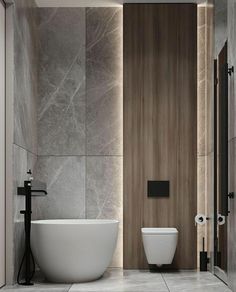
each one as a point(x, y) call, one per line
point(201, 219)
point(220, 219)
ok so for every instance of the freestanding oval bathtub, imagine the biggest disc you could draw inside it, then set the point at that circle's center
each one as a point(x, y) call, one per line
point(77, 250)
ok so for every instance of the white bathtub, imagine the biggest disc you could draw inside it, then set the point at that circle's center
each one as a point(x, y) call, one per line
point(70, 251)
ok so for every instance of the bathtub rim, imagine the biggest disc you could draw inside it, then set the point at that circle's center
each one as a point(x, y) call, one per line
point(74, 221)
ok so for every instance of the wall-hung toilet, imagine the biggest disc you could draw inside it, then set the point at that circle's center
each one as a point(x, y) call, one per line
point(160, 245)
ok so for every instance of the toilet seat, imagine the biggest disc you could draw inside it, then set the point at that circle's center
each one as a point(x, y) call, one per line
point(158, 230)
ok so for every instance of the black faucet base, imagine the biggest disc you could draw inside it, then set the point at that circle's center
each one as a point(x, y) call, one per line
point(27, 284)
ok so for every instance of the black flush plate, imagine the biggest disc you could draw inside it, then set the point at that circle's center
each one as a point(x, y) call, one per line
point(158, 188)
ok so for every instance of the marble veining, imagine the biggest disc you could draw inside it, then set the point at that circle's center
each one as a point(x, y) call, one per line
point(61, 113)
point(25, 115)
point(68, 106)
point(65, 179)
point(80, 115)
point(104, 194)
point(119, 280)
point(25, 75)
point(104, 187)
point(104, 81)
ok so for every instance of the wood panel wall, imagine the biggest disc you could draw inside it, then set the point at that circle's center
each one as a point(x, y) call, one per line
point(160, 126)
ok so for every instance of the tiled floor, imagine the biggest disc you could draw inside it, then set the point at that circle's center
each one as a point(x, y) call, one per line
point(118, 280)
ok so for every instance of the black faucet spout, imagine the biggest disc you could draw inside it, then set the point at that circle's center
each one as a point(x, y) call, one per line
point(39, 191)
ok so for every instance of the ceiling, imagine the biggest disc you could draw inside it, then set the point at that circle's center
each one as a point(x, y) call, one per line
point(104, 3)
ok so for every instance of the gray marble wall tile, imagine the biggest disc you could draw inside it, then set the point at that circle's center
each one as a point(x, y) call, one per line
point(25, 114)
point(104, 193)
point(65, 179)
point(19, 172)
point(61, 112)
point(104, 81)
point(25, 74)
point(103, 187)
point(80, 84)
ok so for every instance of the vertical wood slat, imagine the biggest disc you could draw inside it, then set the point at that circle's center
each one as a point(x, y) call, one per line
point(160, 125)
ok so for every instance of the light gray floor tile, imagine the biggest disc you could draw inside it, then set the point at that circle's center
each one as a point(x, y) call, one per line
point(213, 288)
point(124, 281)
point(187, 281)
point(38, 288)
point(119, 280)
point(189, 273)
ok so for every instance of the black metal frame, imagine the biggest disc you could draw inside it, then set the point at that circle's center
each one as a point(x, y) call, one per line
point(224, 142)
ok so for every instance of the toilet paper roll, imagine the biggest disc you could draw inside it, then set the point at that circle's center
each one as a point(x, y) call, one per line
point(200, 219)
point(221, 219)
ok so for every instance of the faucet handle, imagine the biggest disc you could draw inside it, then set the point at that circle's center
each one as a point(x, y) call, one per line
point(29, 172)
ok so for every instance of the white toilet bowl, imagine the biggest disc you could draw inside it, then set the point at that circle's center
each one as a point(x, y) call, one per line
point(160, 245)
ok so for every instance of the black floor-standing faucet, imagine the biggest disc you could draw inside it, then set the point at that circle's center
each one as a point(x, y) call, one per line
point(28, 256)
